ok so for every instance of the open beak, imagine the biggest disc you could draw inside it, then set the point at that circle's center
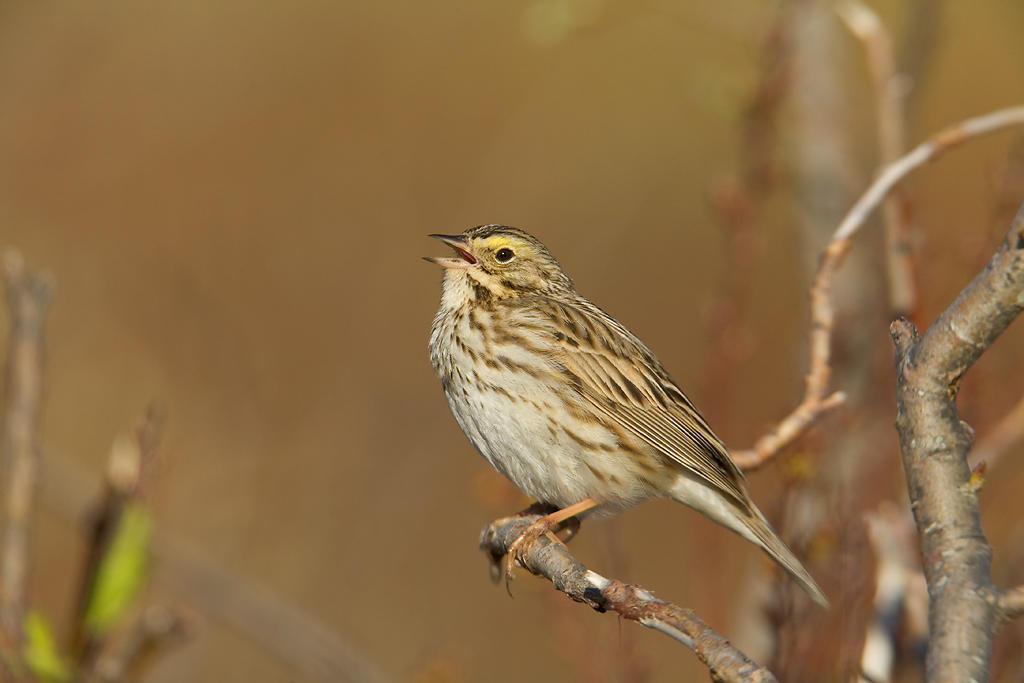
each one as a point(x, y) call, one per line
point(462, 261)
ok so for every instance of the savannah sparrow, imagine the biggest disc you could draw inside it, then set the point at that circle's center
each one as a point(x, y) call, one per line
point(567, 403)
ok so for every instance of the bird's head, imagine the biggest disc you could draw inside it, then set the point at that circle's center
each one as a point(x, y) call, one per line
point(503, 261)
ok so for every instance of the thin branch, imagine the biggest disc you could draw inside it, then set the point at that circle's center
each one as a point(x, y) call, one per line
point(815, 402)
point(552, 560)
point(28, 298)
point(1011, 602)
point(891, 88)
point(934, 443)
point(925, 152)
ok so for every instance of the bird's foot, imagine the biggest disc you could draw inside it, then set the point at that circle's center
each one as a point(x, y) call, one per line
point(519, 548)
point(543, 526)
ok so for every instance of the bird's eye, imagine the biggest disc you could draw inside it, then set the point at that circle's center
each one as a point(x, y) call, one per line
point(503, 255)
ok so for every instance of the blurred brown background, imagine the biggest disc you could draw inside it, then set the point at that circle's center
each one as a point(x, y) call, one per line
point(233, 199)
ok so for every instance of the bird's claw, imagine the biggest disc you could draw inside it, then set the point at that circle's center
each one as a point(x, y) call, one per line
point(551, 519)
point(520, 547)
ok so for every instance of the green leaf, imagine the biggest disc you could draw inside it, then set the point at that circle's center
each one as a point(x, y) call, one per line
point(121, 572)
point(41, 654)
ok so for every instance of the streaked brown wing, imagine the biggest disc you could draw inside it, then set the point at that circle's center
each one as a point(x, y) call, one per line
point(619, 376)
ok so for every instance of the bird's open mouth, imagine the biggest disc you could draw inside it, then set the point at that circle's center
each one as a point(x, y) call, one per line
point(465, 255)
point(458, 245)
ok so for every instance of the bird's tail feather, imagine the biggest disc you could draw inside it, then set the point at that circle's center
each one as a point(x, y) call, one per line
point(777, 549)
point(746, 520)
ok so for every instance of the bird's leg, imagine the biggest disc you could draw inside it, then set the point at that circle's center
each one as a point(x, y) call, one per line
point(571, 525)
point(499, 566)
point(537, 508)
point(542, 526)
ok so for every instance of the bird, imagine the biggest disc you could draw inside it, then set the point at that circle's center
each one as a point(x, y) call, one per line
point(568, 404)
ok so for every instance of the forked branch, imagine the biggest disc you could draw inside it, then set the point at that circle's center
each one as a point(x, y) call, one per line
point(817, 401)
point(934, 443)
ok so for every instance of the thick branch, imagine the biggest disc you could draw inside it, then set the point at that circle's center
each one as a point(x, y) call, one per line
point(28, 297)
point(553, 561)
point(934, 443)
point(816, 400)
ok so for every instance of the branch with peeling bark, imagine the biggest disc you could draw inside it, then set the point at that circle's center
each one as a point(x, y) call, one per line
point(934, 443)
point(817, 401)
point(552, 560)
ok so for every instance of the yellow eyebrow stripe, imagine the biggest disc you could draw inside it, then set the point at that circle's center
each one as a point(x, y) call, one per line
point(498, 241)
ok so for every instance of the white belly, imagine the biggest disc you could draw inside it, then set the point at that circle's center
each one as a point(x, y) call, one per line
point(543, 462)
point(526, 432)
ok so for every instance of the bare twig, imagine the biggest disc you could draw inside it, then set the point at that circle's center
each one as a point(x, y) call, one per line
point(891, 89)
point(925, 152)
point(1011, 602)
point(1001, 438)
point(552, 560)
point(28, 298)
point(934, 443)
point(253, 611)
point(815, 401)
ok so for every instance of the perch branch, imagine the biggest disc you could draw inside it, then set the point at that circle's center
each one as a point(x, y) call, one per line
point(28, 298)
point(815, 401)
point(934, 443)
point(552, 560)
